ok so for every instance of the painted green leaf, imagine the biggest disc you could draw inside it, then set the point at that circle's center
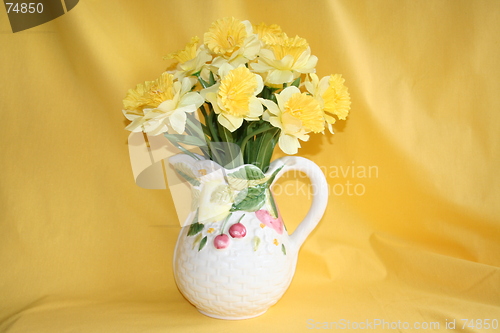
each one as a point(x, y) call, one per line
point(202, 243)
point(239, 184)
point(185, 171)
point(250, 200)
point(255, 243)
point(221, 195)
point(249, 172)
point(195, 228)
point(272, 203)
point(197, 240)
point(283, 249)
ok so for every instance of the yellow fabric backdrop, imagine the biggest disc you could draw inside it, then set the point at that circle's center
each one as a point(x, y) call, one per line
point(84, 249)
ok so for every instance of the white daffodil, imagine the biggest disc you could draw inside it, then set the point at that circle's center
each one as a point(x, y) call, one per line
point(234, 98)
point(155, 106)
point(283, 59)
point(332, 95)
point(296, 114)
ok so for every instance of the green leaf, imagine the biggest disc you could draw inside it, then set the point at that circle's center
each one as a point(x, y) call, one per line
point(255, 243)
point(296, 82)
point(250, 200)
point(283, 249)
point(186, 139)
point(248, 172)
point(195, 228)
point(202, 243)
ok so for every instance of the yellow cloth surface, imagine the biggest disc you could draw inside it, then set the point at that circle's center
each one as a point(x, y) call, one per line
point(412, 230)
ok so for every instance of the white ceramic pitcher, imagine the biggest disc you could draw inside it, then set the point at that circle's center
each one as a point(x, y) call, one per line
point(234, 258)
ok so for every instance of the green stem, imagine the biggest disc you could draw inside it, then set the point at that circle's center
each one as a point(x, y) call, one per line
point(203, 83)
point(224, 224)
point(213, 130)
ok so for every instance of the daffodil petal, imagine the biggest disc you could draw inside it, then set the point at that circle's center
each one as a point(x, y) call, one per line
point(192, 98)
point(230, 122)
point(260, 67)
point(135, 125)
point(260, 84)
point(255, 108)
point(289, 144)
point(275, 122)
point(270, 105)
point(287, 61)
point(252, 48)
point(267, 54)
point(285, 95)
point(309, 66)
point(225, 69)
point(210, 90)
point(277, 76)
point(178, 121)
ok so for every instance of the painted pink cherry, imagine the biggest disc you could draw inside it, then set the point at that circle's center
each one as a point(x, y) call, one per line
point(272, 222)
point(221, 241)
point(237, 230)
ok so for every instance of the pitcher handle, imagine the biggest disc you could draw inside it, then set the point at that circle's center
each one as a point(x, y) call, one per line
point(319, 191)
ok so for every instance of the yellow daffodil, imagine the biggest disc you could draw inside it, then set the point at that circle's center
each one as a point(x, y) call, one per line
point(234, 97)
point(149, 94)
point(231, 41)
point(332, 95)
point(283, 59)
point(145, 96)
point(296, 114)
point(191, 59)
point(155, 106)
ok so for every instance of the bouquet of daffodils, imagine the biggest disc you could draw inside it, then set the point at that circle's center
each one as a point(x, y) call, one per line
point(235, 96)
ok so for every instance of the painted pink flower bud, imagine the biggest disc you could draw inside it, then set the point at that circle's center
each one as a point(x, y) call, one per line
point(237, 230)
point(275, 223)
point(221, 241)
